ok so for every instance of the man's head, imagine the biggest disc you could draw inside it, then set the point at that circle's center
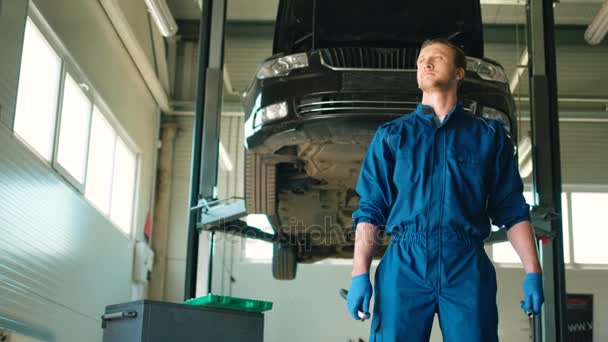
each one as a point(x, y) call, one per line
point(441, 65)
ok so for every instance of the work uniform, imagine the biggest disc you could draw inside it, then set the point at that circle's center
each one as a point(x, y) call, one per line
point(437, 188)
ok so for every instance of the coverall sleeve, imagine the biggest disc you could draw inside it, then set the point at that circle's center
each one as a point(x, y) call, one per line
point(375, 183)
point(506, 203)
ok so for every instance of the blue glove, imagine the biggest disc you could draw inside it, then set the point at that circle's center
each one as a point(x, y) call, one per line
point(359, 295)
point(533, 293)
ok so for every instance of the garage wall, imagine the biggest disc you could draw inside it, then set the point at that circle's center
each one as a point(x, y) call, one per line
point(90, 38)
point(61, 262)
point(136, 13)
point(242, 55)
point(12, 27)
point(178, 220)
point(230, 183)
point(583, 151)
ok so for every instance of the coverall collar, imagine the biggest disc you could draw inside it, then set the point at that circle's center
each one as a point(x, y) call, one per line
point(427, 113)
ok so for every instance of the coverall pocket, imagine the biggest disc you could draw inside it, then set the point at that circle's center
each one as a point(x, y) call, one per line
point(467, 158)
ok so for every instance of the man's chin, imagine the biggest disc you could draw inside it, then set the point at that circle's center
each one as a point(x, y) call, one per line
point(428, 87)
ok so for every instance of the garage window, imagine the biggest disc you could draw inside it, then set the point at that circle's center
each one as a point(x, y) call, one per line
point(101, 162)
point(590, 229)
point(584, 230)
point(123, 186)
point(38, 92)
point(60, 117)
point(74, 129)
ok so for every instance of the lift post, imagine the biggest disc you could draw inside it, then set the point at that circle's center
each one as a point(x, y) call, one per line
point(547, 188)
point(205, 142)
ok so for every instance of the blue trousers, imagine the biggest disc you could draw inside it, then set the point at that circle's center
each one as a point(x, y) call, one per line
point(419, 277)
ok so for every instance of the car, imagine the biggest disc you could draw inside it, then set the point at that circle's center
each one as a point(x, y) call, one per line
point(339, 70)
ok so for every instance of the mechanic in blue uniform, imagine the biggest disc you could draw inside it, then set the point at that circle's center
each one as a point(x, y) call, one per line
point(436, 180)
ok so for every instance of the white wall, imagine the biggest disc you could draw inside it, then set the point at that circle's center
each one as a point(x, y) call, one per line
point(230, 183)
point(61, 261)
point(91, 40)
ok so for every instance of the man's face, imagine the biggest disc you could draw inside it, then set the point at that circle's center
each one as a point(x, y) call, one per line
point(436, 69)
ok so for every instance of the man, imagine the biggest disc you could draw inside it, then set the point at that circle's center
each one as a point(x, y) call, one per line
point(434, 180)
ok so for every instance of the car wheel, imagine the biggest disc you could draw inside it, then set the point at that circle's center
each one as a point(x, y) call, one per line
point(284, 261)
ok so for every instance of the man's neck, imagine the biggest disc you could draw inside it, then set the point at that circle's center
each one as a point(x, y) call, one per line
point(442, 102)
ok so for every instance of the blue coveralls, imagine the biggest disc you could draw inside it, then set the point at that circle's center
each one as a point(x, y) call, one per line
point(435, 187)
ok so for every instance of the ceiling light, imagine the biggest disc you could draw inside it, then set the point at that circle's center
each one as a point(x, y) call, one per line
point(597, 29)
point(162, 17)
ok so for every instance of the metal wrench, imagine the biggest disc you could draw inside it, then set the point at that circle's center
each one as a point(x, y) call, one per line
point(362, 316)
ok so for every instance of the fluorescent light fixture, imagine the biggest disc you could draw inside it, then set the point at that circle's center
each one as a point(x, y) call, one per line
point(524, 154)
point(162, 16)
point(519, 70)
point(597, 29)
point(225, 158)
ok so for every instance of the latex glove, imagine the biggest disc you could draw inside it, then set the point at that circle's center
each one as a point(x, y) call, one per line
point(359, 295)
point(533, 293)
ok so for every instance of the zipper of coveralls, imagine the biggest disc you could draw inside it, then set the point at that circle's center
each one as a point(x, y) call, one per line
point(428, 208)
point(443, 138)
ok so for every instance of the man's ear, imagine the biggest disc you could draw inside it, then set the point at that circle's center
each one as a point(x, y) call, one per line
point(459, 74)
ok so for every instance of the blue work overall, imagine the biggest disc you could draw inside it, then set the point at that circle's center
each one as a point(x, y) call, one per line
point(436, 188)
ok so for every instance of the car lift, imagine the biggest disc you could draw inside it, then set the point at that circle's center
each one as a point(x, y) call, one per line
point(209, 214)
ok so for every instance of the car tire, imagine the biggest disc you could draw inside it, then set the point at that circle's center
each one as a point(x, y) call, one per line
point(284, 261)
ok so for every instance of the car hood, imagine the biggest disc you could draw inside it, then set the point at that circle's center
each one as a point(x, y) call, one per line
point(304, 25)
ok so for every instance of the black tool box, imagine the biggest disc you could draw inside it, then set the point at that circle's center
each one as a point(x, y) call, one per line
point(153, 321)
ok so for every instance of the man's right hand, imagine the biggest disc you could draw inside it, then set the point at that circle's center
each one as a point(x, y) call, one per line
point(359, 295)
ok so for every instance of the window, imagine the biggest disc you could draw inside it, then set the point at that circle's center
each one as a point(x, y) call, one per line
point(123, 186)
point(101, 162)
point(503, 252)
point(80, 143)
point(589, 227)
point(37, 94)
point(74, 129)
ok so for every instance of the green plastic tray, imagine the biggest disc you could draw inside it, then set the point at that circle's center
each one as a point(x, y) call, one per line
point(232, 303)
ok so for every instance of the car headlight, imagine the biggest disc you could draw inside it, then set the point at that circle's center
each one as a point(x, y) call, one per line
point(486, 71)
point(282, 66)
point(491, 113)
point(269, 113)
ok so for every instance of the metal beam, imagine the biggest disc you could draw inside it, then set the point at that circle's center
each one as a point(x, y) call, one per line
point(203, 176)
point(136, 51)
point(550, 325)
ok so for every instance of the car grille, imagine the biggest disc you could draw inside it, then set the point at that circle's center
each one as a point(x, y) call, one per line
point(370, 58)
point(354, 104)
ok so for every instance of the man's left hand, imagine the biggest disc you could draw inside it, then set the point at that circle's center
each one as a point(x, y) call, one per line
point(533, 293)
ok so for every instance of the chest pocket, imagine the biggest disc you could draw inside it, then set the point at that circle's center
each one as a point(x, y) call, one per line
point(466, 160)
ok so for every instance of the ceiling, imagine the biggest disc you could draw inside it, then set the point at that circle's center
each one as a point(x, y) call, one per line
point(567, 12)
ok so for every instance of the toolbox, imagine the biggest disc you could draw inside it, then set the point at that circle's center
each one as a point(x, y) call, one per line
point(154, 321)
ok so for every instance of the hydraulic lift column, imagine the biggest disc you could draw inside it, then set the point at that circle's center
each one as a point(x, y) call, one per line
point(547, 189)
point(203, 176)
